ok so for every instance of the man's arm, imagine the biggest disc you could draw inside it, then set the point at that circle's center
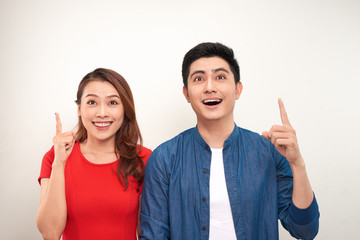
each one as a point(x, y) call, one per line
point(301, 223)
point(283, 137)
point(154, 217)
point(304, 209)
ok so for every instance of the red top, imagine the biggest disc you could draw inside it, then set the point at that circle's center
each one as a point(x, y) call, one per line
point(97, 205)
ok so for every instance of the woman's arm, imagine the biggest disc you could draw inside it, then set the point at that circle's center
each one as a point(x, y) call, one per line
point(52, 213)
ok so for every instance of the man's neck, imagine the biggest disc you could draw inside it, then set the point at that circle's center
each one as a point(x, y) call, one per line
point(215, 132)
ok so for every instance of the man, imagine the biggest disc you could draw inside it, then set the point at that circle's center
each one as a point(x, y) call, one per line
point(220, 181)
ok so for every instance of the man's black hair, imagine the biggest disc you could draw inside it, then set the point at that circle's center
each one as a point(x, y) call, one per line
point(208, 49)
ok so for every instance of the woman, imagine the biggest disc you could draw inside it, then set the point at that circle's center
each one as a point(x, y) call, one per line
point(91, 180)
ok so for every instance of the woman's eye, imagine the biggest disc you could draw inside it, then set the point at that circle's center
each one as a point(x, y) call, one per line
point(91, 102)
point(113, 103)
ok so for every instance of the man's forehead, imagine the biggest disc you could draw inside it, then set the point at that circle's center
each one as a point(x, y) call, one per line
point(209, 64)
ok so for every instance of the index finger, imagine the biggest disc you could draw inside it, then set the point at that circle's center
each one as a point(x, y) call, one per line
point(283, 114)
point(58, 124)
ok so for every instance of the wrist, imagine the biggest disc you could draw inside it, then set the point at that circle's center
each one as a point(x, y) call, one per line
point(299, 164)
point(58, 164)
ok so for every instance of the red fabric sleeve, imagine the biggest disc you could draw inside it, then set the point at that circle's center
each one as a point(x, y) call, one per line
point(46, 164)
point(145, 154)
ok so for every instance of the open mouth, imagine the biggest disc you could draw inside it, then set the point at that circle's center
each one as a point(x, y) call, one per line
point(102, 124)
point(212, 102)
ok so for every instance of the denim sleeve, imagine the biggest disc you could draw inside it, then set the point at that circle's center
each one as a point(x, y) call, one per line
point(154, 216)
point(300, 223)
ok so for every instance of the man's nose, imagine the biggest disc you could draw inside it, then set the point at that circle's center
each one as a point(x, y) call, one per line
point(210, 85)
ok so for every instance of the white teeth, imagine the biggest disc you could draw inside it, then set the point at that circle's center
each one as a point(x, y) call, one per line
point(211, 100)
point(102, 124)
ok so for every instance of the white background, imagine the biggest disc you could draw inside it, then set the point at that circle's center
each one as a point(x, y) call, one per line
point(307, 52)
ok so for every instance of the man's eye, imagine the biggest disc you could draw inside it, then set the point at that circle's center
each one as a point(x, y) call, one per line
point(91, 102)
point(197, 79)
point(221, 77)
point(113, 103)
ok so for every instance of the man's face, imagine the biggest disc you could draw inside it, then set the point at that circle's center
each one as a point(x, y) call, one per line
point(212, 90)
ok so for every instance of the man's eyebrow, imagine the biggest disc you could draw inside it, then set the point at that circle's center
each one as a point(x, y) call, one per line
point(198, 71)
point(220, 69)
point(94, 95)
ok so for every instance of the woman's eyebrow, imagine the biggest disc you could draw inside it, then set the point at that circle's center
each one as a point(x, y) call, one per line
point(94, 95)
point(112, 96)
point(91, 95)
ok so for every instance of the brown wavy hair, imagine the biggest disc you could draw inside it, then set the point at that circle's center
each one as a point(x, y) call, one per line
point(128, 136)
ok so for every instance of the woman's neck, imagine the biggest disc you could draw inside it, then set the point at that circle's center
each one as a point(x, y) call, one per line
point(95, 145)
point(99, 152)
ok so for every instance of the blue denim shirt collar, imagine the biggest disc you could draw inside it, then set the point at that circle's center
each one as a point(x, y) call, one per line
point(228, 142)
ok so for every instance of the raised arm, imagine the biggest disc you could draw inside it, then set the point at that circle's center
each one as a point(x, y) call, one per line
point(283, 137)
point(303, 214)
point(52, 212)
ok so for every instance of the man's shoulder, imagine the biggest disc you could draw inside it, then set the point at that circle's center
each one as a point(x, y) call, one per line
point(248, 133)
point(176, 141)
point(166, 153)
point(250, 137)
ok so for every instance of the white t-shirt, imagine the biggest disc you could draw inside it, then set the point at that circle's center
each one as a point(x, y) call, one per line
point(221, 220)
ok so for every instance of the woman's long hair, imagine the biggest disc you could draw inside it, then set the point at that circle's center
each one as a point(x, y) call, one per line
point(128, 136)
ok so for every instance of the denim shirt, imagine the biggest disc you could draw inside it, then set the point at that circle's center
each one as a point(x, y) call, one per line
point(175, 197)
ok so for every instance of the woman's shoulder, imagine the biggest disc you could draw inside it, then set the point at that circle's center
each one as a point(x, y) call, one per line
point(144, 153)
point(49, 155)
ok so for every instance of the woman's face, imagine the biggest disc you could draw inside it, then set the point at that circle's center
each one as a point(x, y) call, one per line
point(101, 110)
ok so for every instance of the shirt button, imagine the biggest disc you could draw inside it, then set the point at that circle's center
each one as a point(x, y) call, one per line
point(205, 171)
point(203, 228)
point(204, 199)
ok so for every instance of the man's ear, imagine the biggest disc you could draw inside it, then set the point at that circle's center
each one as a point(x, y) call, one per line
point(186, 94)
point(239, 88)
